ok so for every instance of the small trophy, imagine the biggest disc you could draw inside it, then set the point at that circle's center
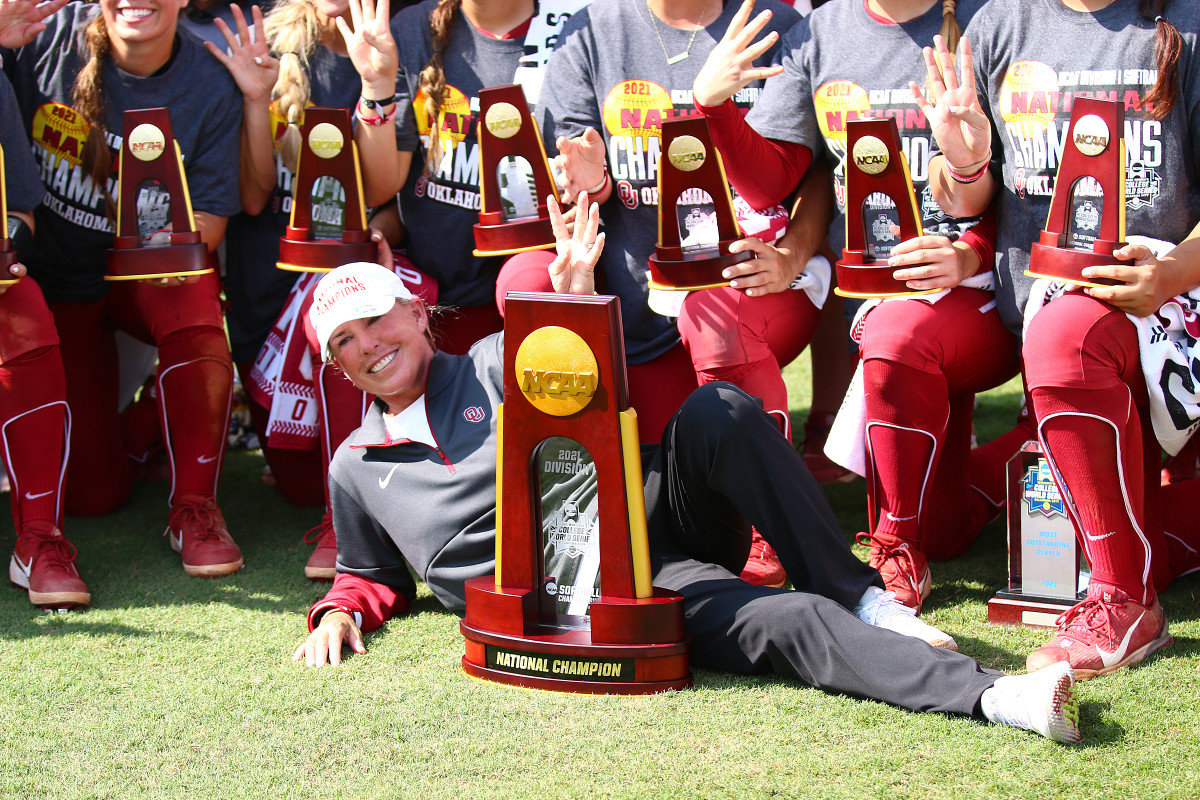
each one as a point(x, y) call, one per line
point(693, 247)
point(156, 232)
point(881, 210)
point(328, 226)
point(514, 177)
point(1044, 576)
point(571, 607)
point(8, 256)
point(1086, 223)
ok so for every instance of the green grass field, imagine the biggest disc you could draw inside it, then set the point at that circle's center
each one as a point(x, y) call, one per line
point(177, 687)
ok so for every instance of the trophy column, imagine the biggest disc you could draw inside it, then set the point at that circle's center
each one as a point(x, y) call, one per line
point(328, 227)
point(8, 256)
point(691, 171)
point(881, 210)
point(1044, 576)
point(569, 510)
point(156, 232)
point(1086, 223)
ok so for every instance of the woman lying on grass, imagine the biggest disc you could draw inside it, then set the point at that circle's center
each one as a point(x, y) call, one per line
point(417, 484)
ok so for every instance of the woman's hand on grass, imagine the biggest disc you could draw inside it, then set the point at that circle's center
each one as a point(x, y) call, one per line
point(324, 645)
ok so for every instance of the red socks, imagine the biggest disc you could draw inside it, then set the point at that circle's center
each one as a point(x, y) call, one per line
point(34, 418)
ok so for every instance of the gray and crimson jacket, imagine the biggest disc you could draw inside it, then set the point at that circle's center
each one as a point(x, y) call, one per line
point(403, 501)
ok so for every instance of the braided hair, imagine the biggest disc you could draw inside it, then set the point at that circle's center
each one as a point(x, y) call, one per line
point(293, 32)
point(87, 97)
point(433, 77)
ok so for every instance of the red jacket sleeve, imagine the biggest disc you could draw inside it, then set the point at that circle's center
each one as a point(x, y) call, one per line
point(764, 171)
point(373, 602)
point(981, 237)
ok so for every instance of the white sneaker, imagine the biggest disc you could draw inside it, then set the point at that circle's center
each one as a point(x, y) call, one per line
point(883, 610)
point(1042, 701)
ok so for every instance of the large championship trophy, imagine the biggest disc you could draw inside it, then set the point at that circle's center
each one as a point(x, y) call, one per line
point(1086, 223)
point(156, 232)
point(1043, 555)
point(571, 607)
point(8, 256)
point(881, 210)
point(514, 177)
point(328, 226)
point(690, 170)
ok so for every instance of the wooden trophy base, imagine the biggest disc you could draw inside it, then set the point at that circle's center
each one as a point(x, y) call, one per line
point(8, 257)
point(632, 647)
point(300, 254)
point(510, 238)
point(865, 281)
point(1066, 264)
point(672, 271)
point(1032, 611)
point(186, 255)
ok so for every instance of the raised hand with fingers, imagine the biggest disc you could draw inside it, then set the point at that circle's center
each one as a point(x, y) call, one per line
point(956, 119)
point(582, 163)
point(573, 270)
point(371, 48)
point(21, 20)
point(730, 66)
point(248, 58)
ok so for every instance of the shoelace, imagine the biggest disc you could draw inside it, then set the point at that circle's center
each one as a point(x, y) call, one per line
point(318, 533)
point(887, 552)
point(206, 520)
point(1090, 611)
point(56, 551)
point(885, 602)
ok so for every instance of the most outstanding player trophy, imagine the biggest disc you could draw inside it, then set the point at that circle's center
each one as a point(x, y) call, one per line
point(881, 210)
point(328, 226)
point(514, 177)
point(691, 169)
point(1043, 555)
point(156, 232)
point(1086, 223)
point(8, 256)
point(569, 466)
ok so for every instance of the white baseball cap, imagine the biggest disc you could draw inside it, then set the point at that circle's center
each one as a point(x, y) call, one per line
point(353, 291)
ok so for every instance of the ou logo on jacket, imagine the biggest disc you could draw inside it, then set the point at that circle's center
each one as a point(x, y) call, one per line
point(473, 414)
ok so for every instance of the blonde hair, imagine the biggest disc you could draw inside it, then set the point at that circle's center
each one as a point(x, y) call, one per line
point(293, 34)
point(950, 31)
point(433, 77)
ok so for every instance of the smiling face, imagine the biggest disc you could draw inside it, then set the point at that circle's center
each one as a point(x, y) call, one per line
point(387, 356)
point(141, 20)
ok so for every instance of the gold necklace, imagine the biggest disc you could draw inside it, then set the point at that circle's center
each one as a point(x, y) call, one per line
point(672, 59)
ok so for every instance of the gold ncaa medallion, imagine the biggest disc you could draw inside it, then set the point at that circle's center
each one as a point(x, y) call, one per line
point(1090, 135)
point(686, 153)
point(503, 120)
point(871, 155)
point(557, 371)
point(325, 140)
point(147, 142)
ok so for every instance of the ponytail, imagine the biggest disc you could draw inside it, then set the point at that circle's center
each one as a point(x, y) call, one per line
point(87, 97)
point(293, 33)
point(950, 31)
point(433, 77)
point(1167, 46)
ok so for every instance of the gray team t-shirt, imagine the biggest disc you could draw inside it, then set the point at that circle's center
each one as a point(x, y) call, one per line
point(610, 73)
point(1033, 58)
point(440, 209)
point(841, 64)
point(73, 229)
point(23, 187)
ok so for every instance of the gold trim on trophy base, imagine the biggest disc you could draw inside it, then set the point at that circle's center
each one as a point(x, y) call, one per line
point(1061, 279)
point(513, 251)
point(155, 275)
point(663, 287)
point(875, 296)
